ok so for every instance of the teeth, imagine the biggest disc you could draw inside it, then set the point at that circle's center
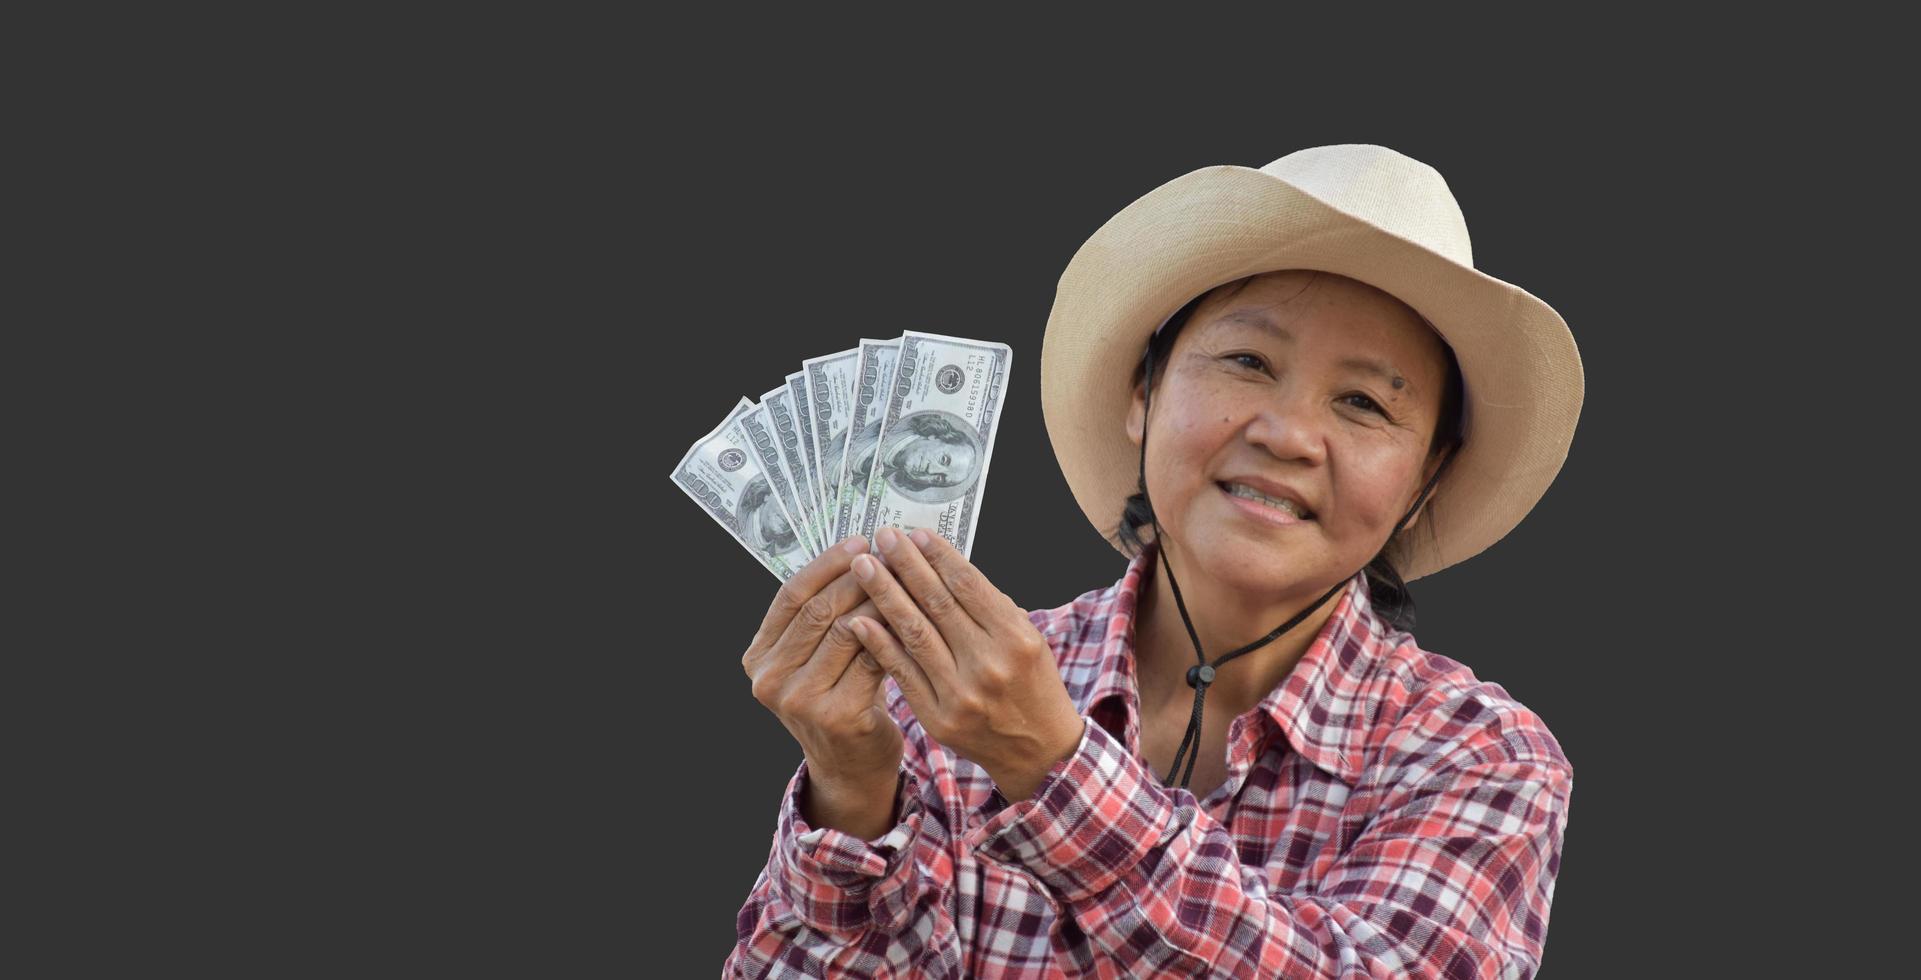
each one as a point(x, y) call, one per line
point(1250, 493)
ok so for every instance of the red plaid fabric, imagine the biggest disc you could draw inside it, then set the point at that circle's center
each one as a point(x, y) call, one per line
point(1385, 814)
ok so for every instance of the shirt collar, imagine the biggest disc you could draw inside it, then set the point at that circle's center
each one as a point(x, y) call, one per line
point(1321, 707)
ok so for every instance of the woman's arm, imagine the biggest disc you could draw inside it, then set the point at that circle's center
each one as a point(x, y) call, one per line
point(831, 904)
point(1451, 879)
point(826, 898)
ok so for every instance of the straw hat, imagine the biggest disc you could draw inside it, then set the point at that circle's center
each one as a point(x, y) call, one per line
point(1365, 212)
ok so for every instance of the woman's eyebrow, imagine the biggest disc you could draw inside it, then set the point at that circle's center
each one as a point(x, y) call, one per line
point(1259, 320)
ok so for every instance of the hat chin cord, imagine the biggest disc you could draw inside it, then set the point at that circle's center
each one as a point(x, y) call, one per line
point(1201, 676)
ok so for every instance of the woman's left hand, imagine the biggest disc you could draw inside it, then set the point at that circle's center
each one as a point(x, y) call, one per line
point(980, 678)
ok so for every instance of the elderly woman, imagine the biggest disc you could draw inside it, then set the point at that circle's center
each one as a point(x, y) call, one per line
point(1337, 403)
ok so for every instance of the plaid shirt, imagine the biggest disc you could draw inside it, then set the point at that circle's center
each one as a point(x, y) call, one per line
point(1385, 814)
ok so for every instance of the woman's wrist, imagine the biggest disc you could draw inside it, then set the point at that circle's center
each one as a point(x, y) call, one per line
point(1022, 781)
point(862, 808)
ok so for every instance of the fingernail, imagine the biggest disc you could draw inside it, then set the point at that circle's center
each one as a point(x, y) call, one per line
point(864, 568)
point(921, 537)
point(885, 537)
point(854, 545)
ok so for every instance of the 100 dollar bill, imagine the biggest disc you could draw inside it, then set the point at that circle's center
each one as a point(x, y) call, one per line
point(723, 473)
point(773, 420)
point(927, 464)
point(804, 426)
point(873, 373)
point(830, 396)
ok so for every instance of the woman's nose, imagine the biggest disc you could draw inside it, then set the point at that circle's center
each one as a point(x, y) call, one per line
point(1288, 429)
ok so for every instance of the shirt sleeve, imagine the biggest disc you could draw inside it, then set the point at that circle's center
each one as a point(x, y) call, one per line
point(1451, 879)
point(830, 904)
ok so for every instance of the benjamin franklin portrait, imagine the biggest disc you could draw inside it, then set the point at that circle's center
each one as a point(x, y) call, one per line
point(761, 521)
point(930, 456)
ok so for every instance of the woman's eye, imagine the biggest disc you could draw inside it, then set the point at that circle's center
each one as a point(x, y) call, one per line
point(1370, 405)
point(1361, 401)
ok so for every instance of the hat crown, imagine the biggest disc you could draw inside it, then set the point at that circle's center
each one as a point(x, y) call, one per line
point(1385, 188)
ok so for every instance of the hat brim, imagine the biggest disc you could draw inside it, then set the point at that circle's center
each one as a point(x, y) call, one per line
point(1521, 368)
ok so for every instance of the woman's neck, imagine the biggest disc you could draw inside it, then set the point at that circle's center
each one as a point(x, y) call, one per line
point(1224, 621)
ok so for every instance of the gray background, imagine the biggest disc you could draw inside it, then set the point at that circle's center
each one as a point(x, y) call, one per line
point(423, 666)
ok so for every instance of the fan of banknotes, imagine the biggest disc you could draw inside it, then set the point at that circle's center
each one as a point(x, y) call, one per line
point(896, 432)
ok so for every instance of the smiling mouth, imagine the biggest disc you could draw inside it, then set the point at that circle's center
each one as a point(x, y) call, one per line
point(1283, 510)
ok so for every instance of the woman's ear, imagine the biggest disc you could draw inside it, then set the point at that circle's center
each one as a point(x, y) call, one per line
point(1137, 414)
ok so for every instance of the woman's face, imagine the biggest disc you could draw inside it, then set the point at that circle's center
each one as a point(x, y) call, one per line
point(1271, 386)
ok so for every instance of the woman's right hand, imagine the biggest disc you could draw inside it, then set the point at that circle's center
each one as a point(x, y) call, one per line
point(805, 670)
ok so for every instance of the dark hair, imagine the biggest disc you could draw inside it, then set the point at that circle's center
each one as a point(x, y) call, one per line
point(1386, 589)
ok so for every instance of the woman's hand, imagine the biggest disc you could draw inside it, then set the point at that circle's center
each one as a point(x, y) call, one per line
point(980, 678)
point(805, 670)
